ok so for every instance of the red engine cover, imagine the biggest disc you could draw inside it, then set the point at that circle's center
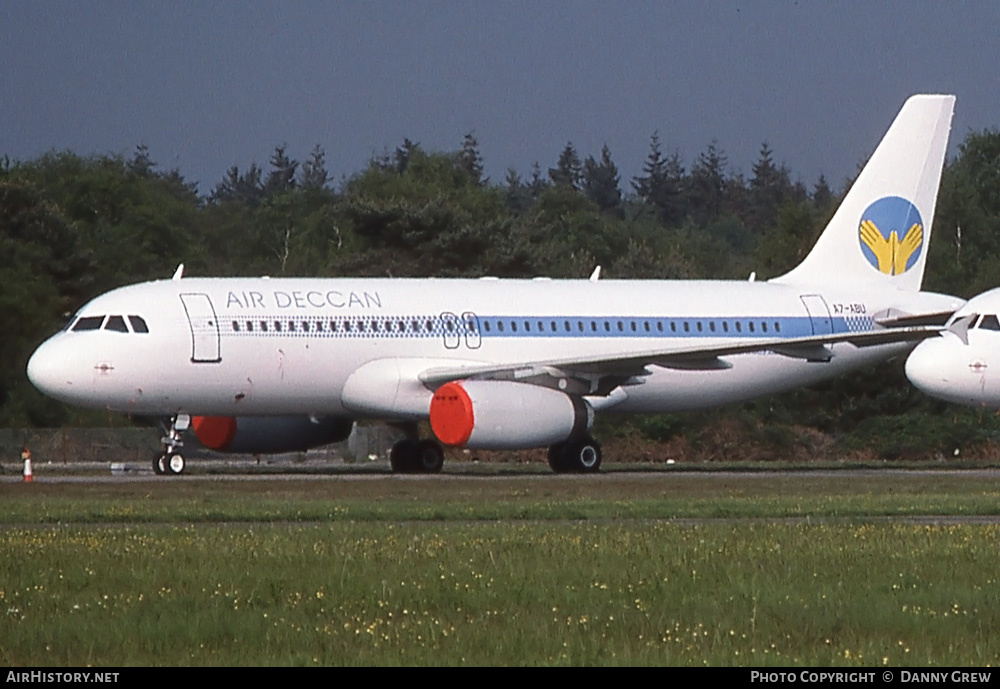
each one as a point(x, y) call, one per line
point(452, 418)
point(214, 432)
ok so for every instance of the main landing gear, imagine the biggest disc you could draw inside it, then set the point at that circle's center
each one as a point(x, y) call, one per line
point(576, 456)
point(414, 456)
point(170, 461)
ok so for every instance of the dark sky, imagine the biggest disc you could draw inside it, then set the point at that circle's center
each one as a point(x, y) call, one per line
point(210, 84)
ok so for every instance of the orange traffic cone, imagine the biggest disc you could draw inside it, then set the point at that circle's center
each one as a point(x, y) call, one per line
point(28, 473)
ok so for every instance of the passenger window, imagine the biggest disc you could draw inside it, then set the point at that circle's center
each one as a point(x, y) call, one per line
point(687, 327)
point(777, 327)
point(725, 326)
point(249, 326)
point(116, 324)
point(236, 326)
point(263, 326)
point(750, 324)
point(139, 324)
point(763, 326)
point(277, 326)
point(88, 323)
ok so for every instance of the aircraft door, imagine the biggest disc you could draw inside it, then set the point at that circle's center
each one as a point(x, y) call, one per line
point(471, 325)
point(451, 325)
point(204, 326)
point(819, 314)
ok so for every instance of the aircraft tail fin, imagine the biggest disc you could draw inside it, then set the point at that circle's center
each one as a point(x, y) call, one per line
point(882, 229)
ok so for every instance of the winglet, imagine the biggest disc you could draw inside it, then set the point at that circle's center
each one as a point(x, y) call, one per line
point(179, 273)
point(596, 275)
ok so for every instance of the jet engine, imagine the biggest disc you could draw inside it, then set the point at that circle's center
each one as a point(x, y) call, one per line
point(268, 434)
point(504, 415)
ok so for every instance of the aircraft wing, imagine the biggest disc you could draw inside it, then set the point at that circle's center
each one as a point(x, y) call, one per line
point(598, 375)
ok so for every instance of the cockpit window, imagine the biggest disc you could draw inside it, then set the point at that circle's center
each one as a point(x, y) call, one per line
point(88, 323)
point(138, 324)
point(990, 322)
point(116, 323)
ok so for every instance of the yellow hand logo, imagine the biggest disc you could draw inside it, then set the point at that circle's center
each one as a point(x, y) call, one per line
point(892, 254)
point(910, 243)
point(880, 246)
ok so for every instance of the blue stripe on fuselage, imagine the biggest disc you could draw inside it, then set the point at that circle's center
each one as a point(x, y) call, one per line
point(539, 326)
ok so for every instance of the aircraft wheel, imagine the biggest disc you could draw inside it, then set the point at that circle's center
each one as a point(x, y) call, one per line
point(558, 458)
point(402, 456)
point(160, 464)
point(584, 456)
point(428, 457)
point(175, 464)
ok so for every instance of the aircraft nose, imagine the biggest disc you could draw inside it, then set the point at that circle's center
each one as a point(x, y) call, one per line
point(47, 370)
point(926, 369)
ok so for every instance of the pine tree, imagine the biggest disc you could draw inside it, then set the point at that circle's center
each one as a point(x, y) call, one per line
point(314, 174)
point(708, 183)
point(600, 181)
point(281, 178)
point(141, 164)
point(470, 160)
point(662, 184)
point(568, 171)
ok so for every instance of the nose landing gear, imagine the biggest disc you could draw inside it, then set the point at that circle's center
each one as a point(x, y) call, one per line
point(170, 461)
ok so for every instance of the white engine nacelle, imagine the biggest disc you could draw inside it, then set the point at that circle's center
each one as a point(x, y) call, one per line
point(502, 415)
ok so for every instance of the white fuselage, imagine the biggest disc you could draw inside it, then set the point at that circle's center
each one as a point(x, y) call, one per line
point(257, 346)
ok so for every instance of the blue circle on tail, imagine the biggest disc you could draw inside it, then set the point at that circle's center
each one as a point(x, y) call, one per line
point(891, 234)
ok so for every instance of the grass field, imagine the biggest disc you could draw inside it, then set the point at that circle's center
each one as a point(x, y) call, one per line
point(502, 571)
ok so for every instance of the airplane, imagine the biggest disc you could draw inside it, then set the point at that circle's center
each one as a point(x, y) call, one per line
point(266, 365)
point(963, 364)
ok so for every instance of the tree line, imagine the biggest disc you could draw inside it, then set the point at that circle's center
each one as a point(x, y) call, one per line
point(72, 227)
